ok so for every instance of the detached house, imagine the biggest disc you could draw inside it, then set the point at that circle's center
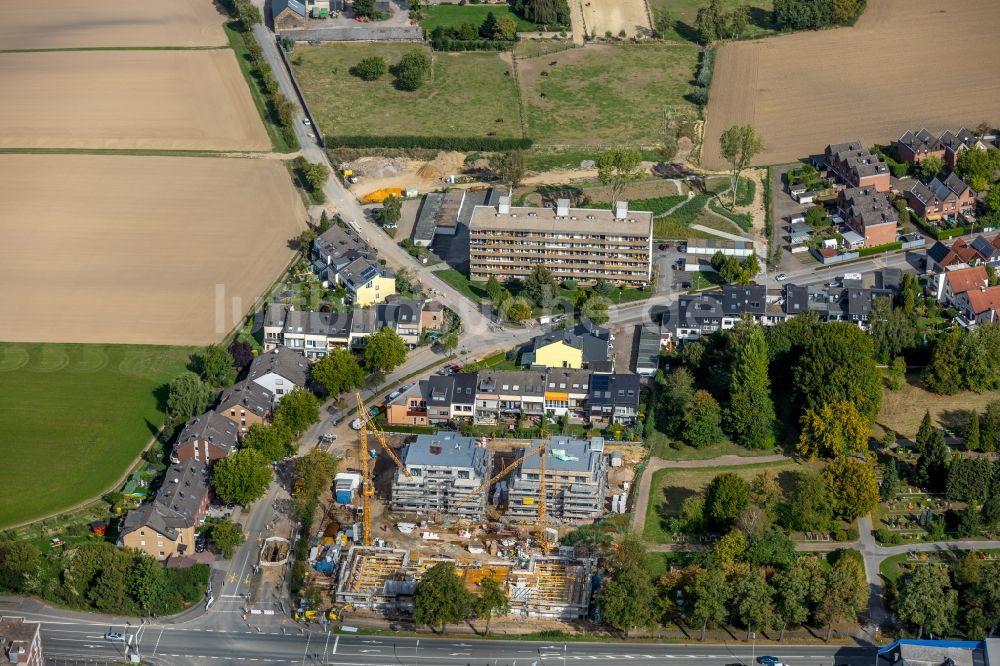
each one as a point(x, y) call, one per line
point(952, 283)
point(856, 166)
point(366, 282)
point(613, 399)
point(941, 199)
point(245, 404)
point(575, 347)
point(279, 371)
point(205, 439)
point(978, 306)
point(164, 526)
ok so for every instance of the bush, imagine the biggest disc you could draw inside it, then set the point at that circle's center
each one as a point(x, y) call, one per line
point(486, 143)
point(412, 69)
point(699, 96)
point(888, 247)
point(370, 69)
point(888, 537)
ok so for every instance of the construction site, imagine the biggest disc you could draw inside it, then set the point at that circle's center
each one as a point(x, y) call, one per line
point(494, 508)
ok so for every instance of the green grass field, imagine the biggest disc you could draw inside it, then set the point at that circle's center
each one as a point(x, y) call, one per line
point(453, 16)
point(73, 418)
point(670, 487)
point(684, 12)
point(466, 95)
point(606, 95)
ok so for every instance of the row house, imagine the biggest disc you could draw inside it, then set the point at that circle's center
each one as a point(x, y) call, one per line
point(857, 166)
point(703, 314)
point(488, 397)
point(914, 147)
point(316, 334)
point(941, 199)
point(963, 253)
point(205, 439)
point(869, 213)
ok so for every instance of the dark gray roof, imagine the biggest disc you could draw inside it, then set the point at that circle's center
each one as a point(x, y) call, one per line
point(592, 340)
point(954, 141)
point(530, 383)
point(984, 247)
point(212, 428)
point(445, 449)
point(439, 390)
point(397, 312)
point(568, 379)
point(867, 206)
point(427, 218)
point(246, 394)
point(920, 141)
point(649, 348)
point(702, 310)
point(889, 278)
point(278, 6)
point(939, 252)
point(176, 504)
point(747, 299)
point(465, 388)
point(360, 272)
point(614, 390)
point(341, 243)
point(282, 362)
point(796, 299)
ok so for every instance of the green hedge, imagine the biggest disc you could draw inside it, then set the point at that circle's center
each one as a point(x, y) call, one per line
point(449, 44)
point(934, 231)
point(487, 143)
point(888, 247)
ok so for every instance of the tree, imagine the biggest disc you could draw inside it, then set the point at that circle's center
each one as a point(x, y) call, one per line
point(710, 22)
point(677, 391)
point(771, 549)
point(314, 473)
point(990, 427)
point(791, 592)
point(943, 374)
point(926, 600)
point(596, 310)
point(539, 286)
point(412, 70)
point(925, 431)
point(187, 396)
point(273, 441)
point(810, 508)
point(298, 410)
point(836, 430)
point(508, 167)
point(931, 166)
point(737, 21)
point(891, 329)
point(147, 585)
point(504, 29)
point(702, 420)
point(18, 561)
point(707, 596)
point(392, 210)
point(242, 353)
point(384, 351)
point(976, 167)
point(846, 591)
point(364, 8)
point(337, 372)
point(226, 536)
point(546, 12)
point(725, 497)
point(932, 466)
point(617, 167)
point(494, 289)
point(216, 366)
point(241, 477)
point(316, 174)
point(969, 480)
point(730, 548)
point(491, 599)
point(519, 309)
point(750, 415)
point(853, 487)
point(440, 597)
point(972, 439)
point(754, 604)
point(888, 489)
point(627, 597)
point(740, 144)
point(370, 69)
point(837, 365)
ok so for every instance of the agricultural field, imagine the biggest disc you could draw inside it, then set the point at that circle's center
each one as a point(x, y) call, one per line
point(129, 249)
point(800, 99)
point(606, 95)
point(67, 24)
point(616, 17)
point(468, 94)
point(165, 100)
point(73, 417)
point(684, 12)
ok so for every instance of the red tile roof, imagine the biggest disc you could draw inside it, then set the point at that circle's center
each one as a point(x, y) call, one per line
point(984, 300)
point(964, 250)
point(967, 279)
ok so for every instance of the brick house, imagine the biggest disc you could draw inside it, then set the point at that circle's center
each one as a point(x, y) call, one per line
point(869, 213)
point(205, 439)
point(245, 404)
point(941, 199)
point(913, 148)
point(288, 15)
point(857, 166)
point(164, 526)
point(954, 144)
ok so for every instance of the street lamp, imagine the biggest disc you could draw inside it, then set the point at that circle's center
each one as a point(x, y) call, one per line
point(753, 652)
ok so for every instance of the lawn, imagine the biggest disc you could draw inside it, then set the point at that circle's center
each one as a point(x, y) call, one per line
point(73, 418)
point(684, 12)
point(903, 410)
point(661, 448)
point(460, 281)
point(606, 95)
point(468, 94)
point(453, 16)
point(670, 487)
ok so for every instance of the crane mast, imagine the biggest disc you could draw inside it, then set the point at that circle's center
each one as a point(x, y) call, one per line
point(367, 471)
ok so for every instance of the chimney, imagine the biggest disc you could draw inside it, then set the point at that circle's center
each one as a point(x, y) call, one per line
point(562, 207)
point(503, 207)
point(621, 210)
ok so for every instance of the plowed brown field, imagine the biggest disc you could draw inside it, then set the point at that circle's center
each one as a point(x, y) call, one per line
point(65, 24)
point(169, 100)
point(122, 249)
point(907, 64)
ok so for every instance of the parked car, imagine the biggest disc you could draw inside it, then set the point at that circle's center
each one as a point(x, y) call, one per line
point(327, 437)
point(833, 283)
point(664, 246)
point(454, 367)
point(114, 636)
point(780, 277)
point(769, 661)
point(200, 546)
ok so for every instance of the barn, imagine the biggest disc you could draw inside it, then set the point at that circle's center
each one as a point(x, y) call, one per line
point(288, 15)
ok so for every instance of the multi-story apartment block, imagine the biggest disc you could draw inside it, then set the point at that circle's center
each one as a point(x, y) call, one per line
point(580, 244)
point(164, 526)
point(869, 213)
point(576, 476)
point(205, 439)
point(21, 642)
point(245, 404)
point(444, 468)
point(857, 166)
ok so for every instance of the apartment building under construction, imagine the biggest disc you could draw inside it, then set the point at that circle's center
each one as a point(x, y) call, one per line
point(384, 580)
point(444, 468)
point(580, 244)
point(576, 479)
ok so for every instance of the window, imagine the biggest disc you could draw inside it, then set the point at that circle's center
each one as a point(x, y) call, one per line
point(142, 543)
point(162, 554)
point(142, 532)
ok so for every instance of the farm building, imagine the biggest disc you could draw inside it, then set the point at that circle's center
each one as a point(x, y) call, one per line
point(288, 15)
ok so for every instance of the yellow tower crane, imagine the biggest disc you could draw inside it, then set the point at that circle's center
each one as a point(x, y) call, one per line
point(367, 465)
point(486, 485)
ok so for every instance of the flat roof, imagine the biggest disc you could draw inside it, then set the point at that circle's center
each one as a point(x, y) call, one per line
point(444, 449)
point(578, 220)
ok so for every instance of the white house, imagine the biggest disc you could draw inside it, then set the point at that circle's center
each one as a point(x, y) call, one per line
point(280, 371)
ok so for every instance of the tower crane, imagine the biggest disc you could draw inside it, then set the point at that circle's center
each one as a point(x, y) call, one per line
point(367, 465)
point(486, 485)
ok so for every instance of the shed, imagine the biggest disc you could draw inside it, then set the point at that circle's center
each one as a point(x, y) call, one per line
point(288, 15)
point(616, 459)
